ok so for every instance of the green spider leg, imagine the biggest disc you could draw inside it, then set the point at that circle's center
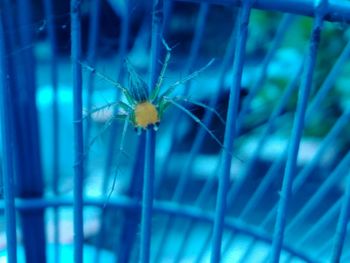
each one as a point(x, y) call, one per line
point(200, 104)
point(137, 87)
point(87, 114)
point(196, 119)
point(126, 93)
point(172, 87)
point(159, 83)
point(105, 128)
point(118, 157)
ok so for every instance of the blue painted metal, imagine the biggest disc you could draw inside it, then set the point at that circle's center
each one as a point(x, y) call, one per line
point(7, 153)
point(78, 129)
point(161, 207)
point(314, 201)
point(198, 142)
point(148, 181)
point(29, 174)
point(340, 234)
point(230, 130)
point(91, 60)
point(258, 84)
point(270, 127)
point(193, 55)
point(115, 127)
point(132, 217)
point(337, 11)
point(183, 178)
point(146, 151)
point(296, 137)
point(321, 224)
point(48, 6)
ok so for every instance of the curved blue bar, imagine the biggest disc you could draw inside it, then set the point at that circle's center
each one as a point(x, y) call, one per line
point(169, 208)
point(337, 11)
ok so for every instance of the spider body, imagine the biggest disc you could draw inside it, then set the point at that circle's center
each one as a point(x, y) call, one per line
point(144, 109)
point(146, 115)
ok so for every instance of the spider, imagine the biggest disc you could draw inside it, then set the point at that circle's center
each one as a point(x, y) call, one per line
point(145, 110)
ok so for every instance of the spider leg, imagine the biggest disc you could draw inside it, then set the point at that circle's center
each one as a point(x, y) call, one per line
point(156, 90)
point(109, 80)
point(108, 105)
point(121, 151)
point(196, 119)
point(172, 87)
point(200, 104)
point(104, 129)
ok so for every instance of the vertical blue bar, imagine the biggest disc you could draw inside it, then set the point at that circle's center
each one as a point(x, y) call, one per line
point(295, 139)
point(148, 182)
point(230, 131)
point(29, 181)
point(183, 178)
point(7, 154)
point(94, 22)
point(340, 234)
point(55, 125)
point(78, 130)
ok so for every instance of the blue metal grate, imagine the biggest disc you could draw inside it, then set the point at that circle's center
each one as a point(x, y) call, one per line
point(196, 190)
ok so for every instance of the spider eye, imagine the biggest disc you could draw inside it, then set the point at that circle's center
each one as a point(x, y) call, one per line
point(156, 126)
point(138, 130)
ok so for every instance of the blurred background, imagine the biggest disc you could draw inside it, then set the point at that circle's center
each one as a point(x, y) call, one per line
point(37, 51)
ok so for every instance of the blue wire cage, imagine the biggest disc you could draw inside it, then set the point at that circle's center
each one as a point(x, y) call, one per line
point(251, 159)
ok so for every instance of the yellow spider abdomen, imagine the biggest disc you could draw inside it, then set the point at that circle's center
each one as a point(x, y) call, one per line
point(146, 114)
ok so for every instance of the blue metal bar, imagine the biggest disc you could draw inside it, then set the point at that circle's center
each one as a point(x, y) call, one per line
point(306, 171)
point(78, 130)
point(110, 154)
point(329, 81)
point(199, 139)
point(337, 11)
point(204, 247)
point(30, 177)
point(296, 136)
point(342, 121)
point(131, 219)
point(183, 178)
point(55, 120)
point(197, 40)
point(147, 198)
point(314, 201)
point(340, 234)
point(94, 22)
point(166, 207)
point(269, 129)
point(303, 175)
point(7, 154)
point(200, 202)
point(321, 224)
point(200, 136)
point(148, 181)
point(230, 130)
point(123, 44)
point(204, 8)
point(281, 31)
point(248, 251)
point(285, 23)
